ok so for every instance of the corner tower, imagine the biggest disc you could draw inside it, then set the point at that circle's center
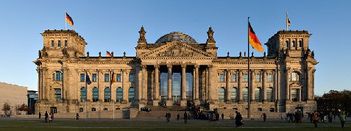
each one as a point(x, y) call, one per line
point(62, 43)
point(296, 65)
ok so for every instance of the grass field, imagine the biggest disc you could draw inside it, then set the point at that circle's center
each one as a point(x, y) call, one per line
point(154, 125)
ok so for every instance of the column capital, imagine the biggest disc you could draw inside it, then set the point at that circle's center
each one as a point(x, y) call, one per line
point(196, 66)
point(143, 66)
point(156, 66)
point(169, 66)
point(183, 65)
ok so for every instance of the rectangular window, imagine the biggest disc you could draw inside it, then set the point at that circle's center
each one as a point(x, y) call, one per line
point(107, 77)
point(234, 77)
point(59, 43)
point(269, 94)
point(58, 94)
point(270, 78)
point(131, 77)
point(295, 94)
point(221, 77)
point(119, 79)
point(58, 76)
point(65, 43)
point(82, 77)
point(245, 77)
point(258, 77)
point(94, 78)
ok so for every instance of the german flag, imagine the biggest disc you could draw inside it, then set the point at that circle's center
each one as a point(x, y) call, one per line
point(255, 43)
point(113, 78)
point(69, 20)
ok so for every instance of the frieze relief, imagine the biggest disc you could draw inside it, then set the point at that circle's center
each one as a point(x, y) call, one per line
point(177, 50)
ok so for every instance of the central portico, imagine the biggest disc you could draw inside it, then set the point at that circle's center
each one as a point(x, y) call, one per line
point(170, 69)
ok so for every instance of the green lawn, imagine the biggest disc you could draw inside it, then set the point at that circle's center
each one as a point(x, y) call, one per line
point(153, 125)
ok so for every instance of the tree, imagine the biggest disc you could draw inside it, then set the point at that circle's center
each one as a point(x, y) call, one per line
point(7, 109)
point(22, 107)
point(334, 100)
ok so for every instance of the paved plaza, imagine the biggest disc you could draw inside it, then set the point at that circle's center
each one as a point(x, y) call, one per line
point(13, 124)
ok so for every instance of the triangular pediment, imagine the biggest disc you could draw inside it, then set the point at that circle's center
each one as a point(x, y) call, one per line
point(176, 50)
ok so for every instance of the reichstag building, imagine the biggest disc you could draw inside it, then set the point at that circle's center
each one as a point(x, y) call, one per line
point(172, 72)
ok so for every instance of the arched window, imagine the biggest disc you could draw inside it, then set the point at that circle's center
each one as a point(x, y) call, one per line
point(258, 94)
point(300, 43)
point(245, 94)
point(119, 93)
point(95, 94)
point(221, 92)
point(287, 43)
point(294, 44)
point(107, 94)
point(131, 94)
point(83, 94)
point(59, 43)
point(52, 43)
point(295, 77)
point(234, 94)
point(269, 94)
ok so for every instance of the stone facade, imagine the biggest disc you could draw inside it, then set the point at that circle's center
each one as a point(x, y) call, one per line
point(173, 71)
point(14, 95)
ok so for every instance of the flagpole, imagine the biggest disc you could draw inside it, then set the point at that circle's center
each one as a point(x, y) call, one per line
point(286, 21)
point(248, 69)
point(86, 94)
point(65, 20)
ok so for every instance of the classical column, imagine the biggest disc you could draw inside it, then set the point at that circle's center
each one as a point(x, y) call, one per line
point(40, 84)
point(194, 79)
point(309, 83)
point(113, 92)
point(210, 71)
point(277, 83)
point(227, 78)
point(264, 85)
point(46, 87)
point(151, 86)
point(183, 82)
point(205, 97)
point(197, 82)
point(239, 72)
point(169, 84)
point(140, 81)
point(144, 81)
point(100, 84)
point(288, 97)
point(252, 88)
point(157, 84)
point(125, 82)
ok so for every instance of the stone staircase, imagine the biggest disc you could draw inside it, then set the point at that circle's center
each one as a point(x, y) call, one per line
point(158, 112)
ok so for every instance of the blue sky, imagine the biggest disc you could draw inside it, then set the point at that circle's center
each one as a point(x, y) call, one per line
point(113, 25)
